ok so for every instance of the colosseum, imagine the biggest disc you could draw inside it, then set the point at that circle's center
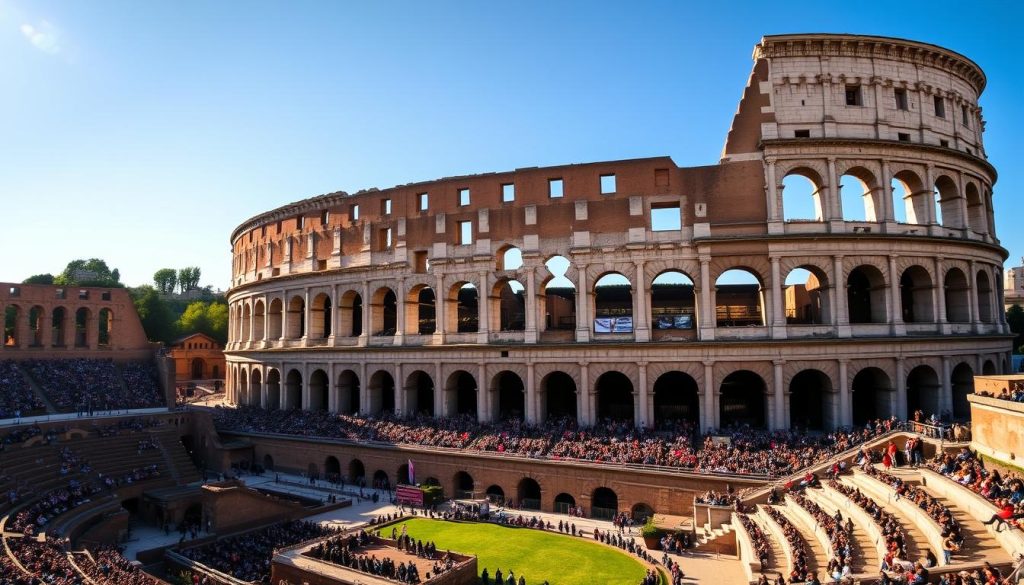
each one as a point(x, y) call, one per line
point(641, 290)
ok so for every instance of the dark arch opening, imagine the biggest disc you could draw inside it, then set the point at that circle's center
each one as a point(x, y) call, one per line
point(560, 396)
point(564, 503)
point(268, 463)
point(318, 397)
point(293, 390)
point(273, 390)
point(348, 392)
point(495, 494)
point(810, 393)
point(402, 477)
point(865, 295)
point(923, 390)
point(529, 494)
point(614, 397)
point(742, 400)
point(461, 394)
point(426, 313)
point(463, 485)
point(420, 399)
point(356, 471)
point(332, 468)
point(676, 398)
point(988, 368)
point(962, 381)
point(511, 397)
point(871, 392)
point(604, 504)
point(381, 480)
point(916, 295)
point(641, 512)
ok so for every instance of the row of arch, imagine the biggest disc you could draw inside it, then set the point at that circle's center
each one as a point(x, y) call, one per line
point(528, 495)
point(743, 396)
point(808, 297)
point(941, 198)
point(35, 326)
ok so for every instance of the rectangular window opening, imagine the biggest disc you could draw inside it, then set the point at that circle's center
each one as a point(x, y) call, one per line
point(384, 238)
point(325, 217)
point(465, 233)
point(940, 107)
point(420, 261)
point(60, 294)
point(607, 184)
point(508, 193)
point(944, 143)
point(15, 291)
point(83, 295)
point(901, 99)
point(963, 114)
point(300, 221)
point(555, 188)
point(385, 207)
point(105, 295)
point(353, 212)
point(463, 197)
point(665, 217)
point(854, 97)
point(903, 136)
point(424, 201)
point(801, 134)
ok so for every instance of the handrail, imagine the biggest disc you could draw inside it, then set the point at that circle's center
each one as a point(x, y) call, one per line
point(196, 565)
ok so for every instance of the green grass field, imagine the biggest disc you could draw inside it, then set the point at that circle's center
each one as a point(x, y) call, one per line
point(537, 555)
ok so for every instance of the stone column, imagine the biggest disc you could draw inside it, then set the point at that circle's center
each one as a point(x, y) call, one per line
point(483, 394)
point(888, 207)
point(641, 418)
point(778, 320)
point(833, 210)
point(399, 336)
point(845, 416)
point(895, 302)
point(307, 318)
point(779, 415)
point(900, 408)
point(583, 308)
point(483, 310)
point(940, 294)
point(841, 316)
point(305, 400)
point(440, 308)
point(364, 334)
point(773, 192)
point(583, 396)
point(364, 389)
point(641, 314)
point(530, 298)
point(974, 296)
point(945, 400)
point(531, 395)
point(709, 410)
point(707, 309)
point(439, 389)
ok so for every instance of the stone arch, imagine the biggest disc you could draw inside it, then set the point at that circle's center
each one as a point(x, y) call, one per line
point(743, 395)
point(916, 295)
point(508, 257)
point(673, 303)
point(296, 317)
point(104, 326)
point(495, 494)
point(564, 503)
point(866, 294)
point(948, 209)
point(12, 329)
point(604, 503)
point(245, 334)
point(508, 305)
point(961, 381)
point(320, 317)
point(259, 320)
point(420, 310)
point(923, 391)
point(613, 397)
point(351, 307)
point(613, 303)
point(419, 394)
point(383, 312)
point(529, 494)
point(871, 395)
point(356, 472)
point(802, 192)
point(381, 481)
point(509, 396)
point(268, 462)
point(243, 387)
point(911, 200)
point(255, 388)
point(462, 310)
point(739, 298)
point(557, 397)
point(465, 486)
point(273, 389)
point(977, 216)
point(83, 316)
point(806, 297)
point(381, 391)
point(275, 315)
point(348, 390)
point(640, 512)
point(402, 475)
point(318, 390)
point(676, 398)
point(460, 394)
point(861, 194)
point(559, 296)
point(988, 368)
point(957, 293)
point(293, 390)
point(983, 290)
point(811, 401)
point(58, 327)
point(332, 468)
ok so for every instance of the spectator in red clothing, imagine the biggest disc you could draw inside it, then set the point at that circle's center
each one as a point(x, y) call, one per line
point(1005, 513)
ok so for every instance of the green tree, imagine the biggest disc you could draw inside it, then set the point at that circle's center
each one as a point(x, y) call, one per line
point(39, 279)
point(91, 272)
point(166, 280)
point(209, 318)
point(1015, 319)
point(157, 318)
point(188, 278)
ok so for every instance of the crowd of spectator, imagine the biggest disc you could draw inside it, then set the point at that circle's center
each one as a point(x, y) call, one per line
point(109, 567)
point(714, 498)
point(797, 546)
point(757, 539)
point(734, 451)
point(1006, 492)
point(51, 504)
point(86, 385)
point(1015, 392)
point(16, 396)
point(840, 535)
point(888, 525)
point(47, 560)
point(247, 556)
point(345, 550)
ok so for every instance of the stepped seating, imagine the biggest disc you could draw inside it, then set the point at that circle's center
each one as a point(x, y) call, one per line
point(752, 532)
point(870, 533)
point(805, 553)
point(181, 465)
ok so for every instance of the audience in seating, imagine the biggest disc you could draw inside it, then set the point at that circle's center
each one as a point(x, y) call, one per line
point(1006, 492)
point(16, 396)
point(86, 385)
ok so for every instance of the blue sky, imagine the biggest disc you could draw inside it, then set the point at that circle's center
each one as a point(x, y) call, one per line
point(144, 132)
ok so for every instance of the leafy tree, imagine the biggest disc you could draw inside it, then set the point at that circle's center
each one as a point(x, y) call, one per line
point(209, 318)
point(91, 272)
point(1015, 319)
point(166, 280)
point(188, 278)
point(39, 279)
point(157, 317)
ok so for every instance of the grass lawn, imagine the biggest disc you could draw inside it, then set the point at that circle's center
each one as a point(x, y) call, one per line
point(535, 554)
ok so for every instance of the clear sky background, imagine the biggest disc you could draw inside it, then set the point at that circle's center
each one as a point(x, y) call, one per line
point(144, 132)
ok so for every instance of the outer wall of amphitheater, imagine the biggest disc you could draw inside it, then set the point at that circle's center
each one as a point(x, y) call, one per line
point(644, 291)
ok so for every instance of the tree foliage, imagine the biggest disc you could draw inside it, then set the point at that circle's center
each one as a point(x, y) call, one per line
point(91, 272)
point(39, 279)
point(209, 318)
point(157, 318)
point(1015, 319)
point(165, 280)
point(188, 278)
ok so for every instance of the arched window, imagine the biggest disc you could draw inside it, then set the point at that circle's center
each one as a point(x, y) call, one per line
point(421, 311)
point(738, 300)
point(347, 401)
point(318, 390)
point(948, 212)
point(510, 258)
point(258, 320)
point(382, 393)
point(872, 391)
point(810, 401)
point(460, 395)
point(559, 297)
point(916, 296)
point(859, 196)
point(923, 391)
point(806, 296)
point(558, 391)
point(676, 398)
point(510, 306)
point(962, 383)
point(384, 317)
point(957, 297)
point(106, 327)
point(613, 304)
point(865, 295)
point(296, 318)
point(910, 200)
point(351, 314)
point(984, 292)
point(614, 394)
point(320, 325)
point(273, 390)
point(419, 397)
point(510, 401)
point(673, 304)
point(742, 400)
point(803, 196)
point(463, 311)
point(293, 390)
point(976, 215)
point(276, 311)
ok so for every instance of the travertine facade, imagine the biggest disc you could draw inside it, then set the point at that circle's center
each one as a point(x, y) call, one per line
point(449, 296)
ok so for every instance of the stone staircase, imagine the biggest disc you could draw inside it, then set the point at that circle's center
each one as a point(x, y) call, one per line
point(711, 537)
point(817, 555)
point(37, 390)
